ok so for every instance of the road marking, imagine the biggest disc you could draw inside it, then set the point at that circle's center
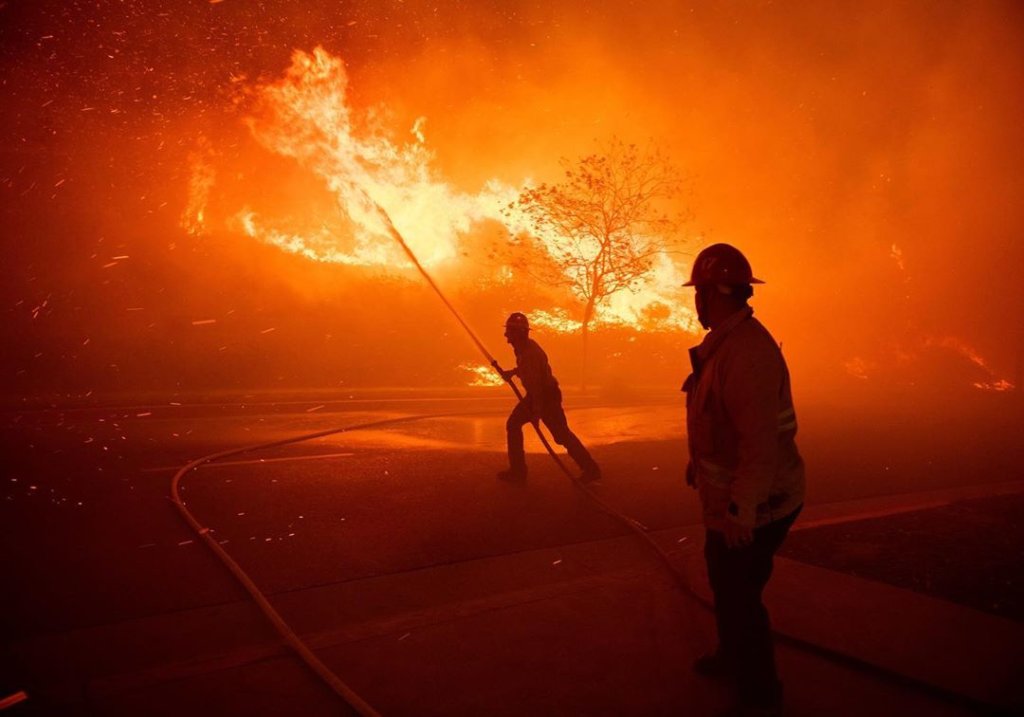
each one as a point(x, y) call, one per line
point(816, 516)
point(868, 514)
point(342, 403)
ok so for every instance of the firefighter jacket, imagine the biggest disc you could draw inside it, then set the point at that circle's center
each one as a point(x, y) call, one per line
point(534, 371)
point(741, 426)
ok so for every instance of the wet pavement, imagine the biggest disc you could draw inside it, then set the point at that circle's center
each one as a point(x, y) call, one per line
point(428, 585)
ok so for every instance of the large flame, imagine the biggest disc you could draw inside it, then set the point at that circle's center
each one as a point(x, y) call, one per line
point(305, 115)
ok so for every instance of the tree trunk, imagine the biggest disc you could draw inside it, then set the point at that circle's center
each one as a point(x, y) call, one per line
point(588, 314)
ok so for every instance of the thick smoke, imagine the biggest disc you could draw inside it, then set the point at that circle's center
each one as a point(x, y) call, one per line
point(865, 156)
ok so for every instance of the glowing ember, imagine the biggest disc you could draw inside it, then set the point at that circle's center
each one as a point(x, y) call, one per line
point(896, 254)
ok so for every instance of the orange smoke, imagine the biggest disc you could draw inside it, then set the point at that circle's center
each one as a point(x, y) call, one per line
point(820, 225)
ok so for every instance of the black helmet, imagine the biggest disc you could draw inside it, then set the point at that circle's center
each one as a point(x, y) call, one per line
point(721, 264)
point(517, 320)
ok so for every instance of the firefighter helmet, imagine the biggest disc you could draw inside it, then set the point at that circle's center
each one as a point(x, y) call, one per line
point(721, 264)
point(517, 320)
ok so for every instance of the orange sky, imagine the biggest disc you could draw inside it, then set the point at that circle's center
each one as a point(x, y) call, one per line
point(817, 139)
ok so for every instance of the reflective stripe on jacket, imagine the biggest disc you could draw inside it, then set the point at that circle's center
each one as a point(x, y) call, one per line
point(741, 425)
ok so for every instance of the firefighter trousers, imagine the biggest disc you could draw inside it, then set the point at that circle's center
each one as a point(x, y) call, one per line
point(738, 577)
point(553, 417)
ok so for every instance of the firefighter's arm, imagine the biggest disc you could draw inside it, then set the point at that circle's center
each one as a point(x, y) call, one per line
point(691, 469)
point(751, 398)
point(506, 375)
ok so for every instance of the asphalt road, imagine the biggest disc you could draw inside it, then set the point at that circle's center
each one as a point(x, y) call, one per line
point(95, 554)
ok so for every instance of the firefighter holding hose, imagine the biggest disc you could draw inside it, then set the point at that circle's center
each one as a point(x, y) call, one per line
point(744, 463)
point(542, 402)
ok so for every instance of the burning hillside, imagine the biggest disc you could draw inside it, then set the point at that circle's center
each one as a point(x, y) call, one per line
point(179, 178)
point(306, 116)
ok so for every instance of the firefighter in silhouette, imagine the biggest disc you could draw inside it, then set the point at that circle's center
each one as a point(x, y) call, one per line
point(542, 402)
point(741, 429)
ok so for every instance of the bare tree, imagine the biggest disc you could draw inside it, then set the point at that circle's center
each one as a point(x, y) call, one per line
point(603, 225)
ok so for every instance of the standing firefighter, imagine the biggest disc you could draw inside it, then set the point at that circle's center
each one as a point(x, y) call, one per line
point(745, 465)
point(542, 402)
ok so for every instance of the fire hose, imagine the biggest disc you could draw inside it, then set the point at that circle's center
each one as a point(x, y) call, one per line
point(301, 649)
point(397, 236)
point(641, 530)
point(280, 625)
point(632, 524)
point(362, 707)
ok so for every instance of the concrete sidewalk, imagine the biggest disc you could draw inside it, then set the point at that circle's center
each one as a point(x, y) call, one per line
point(594, 628)
point(954, 648)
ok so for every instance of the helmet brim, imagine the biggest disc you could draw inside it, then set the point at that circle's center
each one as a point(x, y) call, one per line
point(752, 281)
